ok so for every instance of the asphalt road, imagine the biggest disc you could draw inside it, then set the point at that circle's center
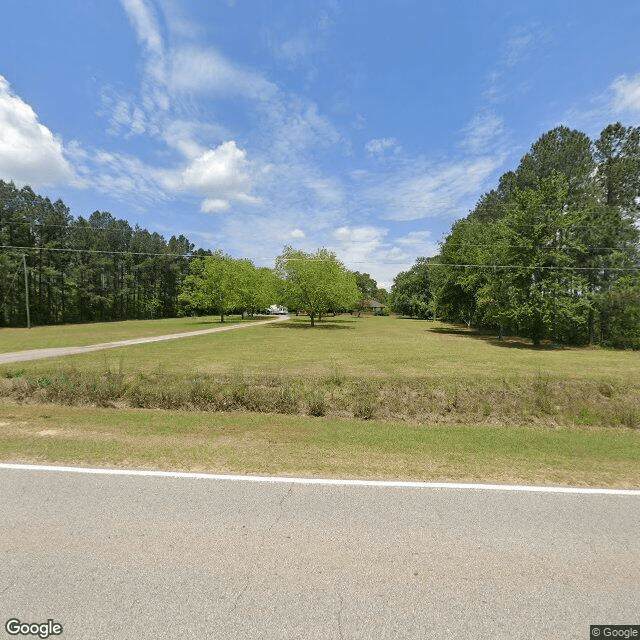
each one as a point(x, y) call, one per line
point(122, 557)
point(56, 352)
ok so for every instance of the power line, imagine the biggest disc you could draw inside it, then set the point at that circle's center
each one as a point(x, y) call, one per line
point(388, 262)
point(107, 251)
point(15, 275)
point(538, 247)
point(521, 266)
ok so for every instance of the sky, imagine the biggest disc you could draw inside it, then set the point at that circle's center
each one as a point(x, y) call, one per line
point(364, 126)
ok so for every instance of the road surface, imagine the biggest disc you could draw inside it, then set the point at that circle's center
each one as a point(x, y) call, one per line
point(120, 557)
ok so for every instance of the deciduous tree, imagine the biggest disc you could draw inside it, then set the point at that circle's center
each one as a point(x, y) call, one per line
point(315, 282)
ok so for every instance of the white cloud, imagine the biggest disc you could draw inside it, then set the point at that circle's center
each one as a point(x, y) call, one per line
point(484, 132)
point(294, 126)
point(179, 25)
point(29, 152)
point(619, 101)
point(626, 94)
point(186, 68)
point(378, 146)
point(220, 174)
point(517, 48)
point(359, 246)
point(125, 116)
point(347, 234)
point(145, 24)
point(295, 48)
point(196, 69)
point(299, 48)
point(181, 135)
point(326, 190)
point(213, 205)
point(260, 235)
point(176, 76)
point(419, 243)
point(367, 249)
point(422, 190)
point(359, 122)
point(414, 238)
point(122, 176)
point(216, 168)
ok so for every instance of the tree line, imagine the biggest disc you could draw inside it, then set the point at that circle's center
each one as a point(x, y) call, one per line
point(102, 269)
point(82, 270)
point(551, 253)
point(316, 283)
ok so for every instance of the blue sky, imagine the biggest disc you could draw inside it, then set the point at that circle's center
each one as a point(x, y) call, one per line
point(364, 126)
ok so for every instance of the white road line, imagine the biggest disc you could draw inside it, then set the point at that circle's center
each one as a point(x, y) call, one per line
point(325, 481)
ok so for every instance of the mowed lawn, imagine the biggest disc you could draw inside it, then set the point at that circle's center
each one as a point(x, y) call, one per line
point(263, 444)
point(362, 347)
point(359, 397)
point(80, 335)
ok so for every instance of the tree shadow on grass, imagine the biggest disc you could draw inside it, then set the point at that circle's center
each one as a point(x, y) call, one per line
point(507, 342)
point(230, 320)
point(324, 325)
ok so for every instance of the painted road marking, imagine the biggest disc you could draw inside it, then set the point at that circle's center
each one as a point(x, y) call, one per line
point(325, 481)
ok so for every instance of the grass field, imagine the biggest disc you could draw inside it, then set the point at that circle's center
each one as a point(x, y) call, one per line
point(79, 335)
point(364, 397)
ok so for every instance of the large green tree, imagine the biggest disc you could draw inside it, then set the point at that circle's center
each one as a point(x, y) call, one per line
point(212, 285)
point(546, 253)
point(411, 293)
point(315, 282)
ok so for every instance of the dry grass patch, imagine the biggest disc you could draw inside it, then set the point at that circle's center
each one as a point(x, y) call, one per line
point(516, 400)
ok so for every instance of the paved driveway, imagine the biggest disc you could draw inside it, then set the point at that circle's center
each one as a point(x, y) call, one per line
point(37, 354)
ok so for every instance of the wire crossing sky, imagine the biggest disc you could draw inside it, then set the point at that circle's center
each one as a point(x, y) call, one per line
point(364, 127)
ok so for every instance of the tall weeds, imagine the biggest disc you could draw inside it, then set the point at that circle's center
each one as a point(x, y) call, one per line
point(541, 399)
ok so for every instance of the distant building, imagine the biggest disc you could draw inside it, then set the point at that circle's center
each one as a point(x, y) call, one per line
point(375, 306)
point(276, 310)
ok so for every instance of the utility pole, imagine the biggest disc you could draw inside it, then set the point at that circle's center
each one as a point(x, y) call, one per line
point(26, 289)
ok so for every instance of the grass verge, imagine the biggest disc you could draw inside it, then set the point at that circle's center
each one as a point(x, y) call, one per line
point(261, 444)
